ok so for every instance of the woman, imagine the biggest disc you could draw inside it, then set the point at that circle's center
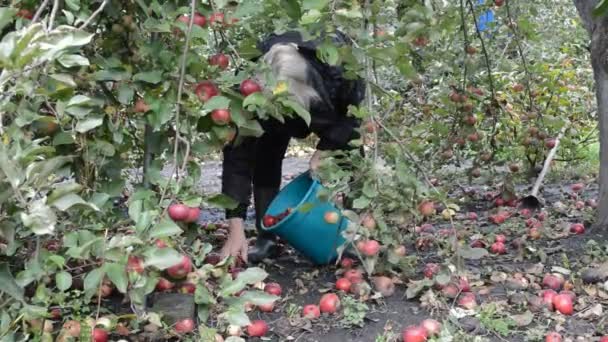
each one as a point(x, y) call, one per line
point(320, 88)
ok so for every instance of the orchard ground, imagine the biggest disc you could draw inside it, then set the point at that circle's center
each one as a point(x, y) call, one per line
point(503, 314)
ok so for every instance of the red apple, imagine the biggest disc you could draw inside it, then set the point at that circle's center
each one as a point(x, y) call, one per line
point(184, 326)
point(553, 337)
point(569, 293)
point(576, 187)
point(329, 303)
point(311, 311)
point(178, 212)
point(430, 270)
point(72, 328)
point(384, 285)
point(368, 222)
point(135, 264)
point(266, 307)
point(426, 208)
point(400, 251)
point(187, 288)
point(499, 3)
point(563, 303)
point(220, 60)
point(220, 116)
point(273, 289)
point(354, 276)
point(343, 284)
point(467, 301)
point(269, 220)
point(193, 214)
point(547, 297)
point(463, 284)
point(550, 143)
point(431, 326)
point(500, 238)
point(331, 217)
point(498, 248)
point(450, 290)
point(160, 243)
point(472, 216)
point(181, 269)
point(199, 20)
point(414, 334)
point(368, 248)
point(553, 281)
point(257, 328)
point(99, 335)
point(206, 90)
point(603, 339)
point(577, 228)
point(164, 284)
point(216, 19)
point(25, 13)
point(347, 263)
point(249, 87)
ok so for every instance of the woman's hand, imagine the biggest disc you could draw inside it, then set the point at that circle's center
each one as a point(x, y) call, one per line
point(236, 243)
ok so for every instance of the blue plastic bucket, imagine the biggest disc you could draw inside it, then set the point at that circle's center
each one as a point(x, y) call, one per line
point(305, 228)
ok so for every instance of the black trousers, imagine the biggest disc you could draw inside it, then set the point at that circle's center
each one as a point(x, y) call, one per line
point(254, 163)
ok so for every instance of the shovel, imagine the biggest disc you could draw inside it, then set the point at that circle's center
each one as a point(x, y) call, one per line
point(531, 201)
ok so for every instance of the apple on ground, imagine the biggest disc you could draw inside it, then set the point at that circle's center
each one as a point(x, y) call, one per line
point(329, 303)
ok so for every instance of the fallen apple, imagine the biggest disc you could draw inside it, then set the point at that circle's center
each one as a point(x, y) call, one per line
point(273, 289)
point(181, 269)
point(369, 247)
point(467, 301)
point(426, 208)
point(430, 270)
point(564, 304)
point(432, 327)
point(164, 284)
point(384, 285)
point(553, 337)
point(347, 262)
point(329, 303)
point(414, 334)
point(257, 328)
point(553, 281)
point(184, 326)
point(343, 284)
point(99, 335)
point(311, 311)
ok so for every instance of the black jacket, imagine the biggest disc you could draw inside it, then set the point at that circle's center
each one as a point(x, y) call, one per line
point(329, 120)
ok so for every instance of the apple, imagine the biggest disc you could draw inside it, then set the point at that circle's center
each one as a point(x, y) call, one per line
point(576, 187)
point(384, 285)
point(178, 212)
point(181, 269)
point(273, 289)
point(199, 20)
point(329, 303)
point(470, 120)
point(473, 137)
point(266, 307)
point(249, 87)
point(160, 243)
point(206, 90)
point(257, 328)
point(343, 284)
point(368, 248)
point(498, 218)
point(447, 154)
point(514, 167)
point(164, 284)
point(431, 326)
point(553, 337)
point(220, 60)
point(472, 216)
point(187, 288)
point(184, 326)
point(311, 311)
point(500, 238)
point(550, 143)
point(478, 244)
point(414, 334)
point(213, 259)
point(421, 41)
point(579, 205)
point(553, 281)
point(269, 221)
point(347, 263)
point(331, 217)
point(564, 304)
point(217, 19)
point(430, 270)
point(72, 328)
point(368, 222)
point(99, 335)
point(468, 301)
point(426, 208)
point(569, 293)
point(450, 291)
point(141, 106)
point(400, 251)
point(193, 214)
point(604, 339)
point(498, 248)
point(577, 228)
point(25, 13)
point(463, 284)
point(135, 264)
point(455, 97)
point(220, 116)
point(547, 298)
point(471, 50)
point(534, 233)
point(354, 276)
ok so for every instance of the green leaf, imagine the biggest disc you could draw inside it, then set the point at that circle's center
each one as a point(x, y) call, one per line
point(63, 189)
point(299, 110)
point(314, 4)
point(256, 99)
point(248, 277)
point(40, 218)
point(328, 53)
point(67, 201)
point(237, 316)
point(6, 16)
point(472, 253)
point(63, 280)
point(165, 228)
point(112, 75)
point(217, 102)
point(152, 77)
point(93, 279)
point(162, 258)
point(259, 297)
point(601, 8)
point(222, 201)
point(361, 203)
point(69, 61)
point(234, 339)
point(65, 79)
point(9, 285)
point(117, 274)
point(88, 124)
point(125, 94)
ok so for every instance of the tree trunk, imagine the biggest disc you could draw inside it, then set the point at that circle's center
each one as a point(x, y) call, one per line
point(598, 31)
